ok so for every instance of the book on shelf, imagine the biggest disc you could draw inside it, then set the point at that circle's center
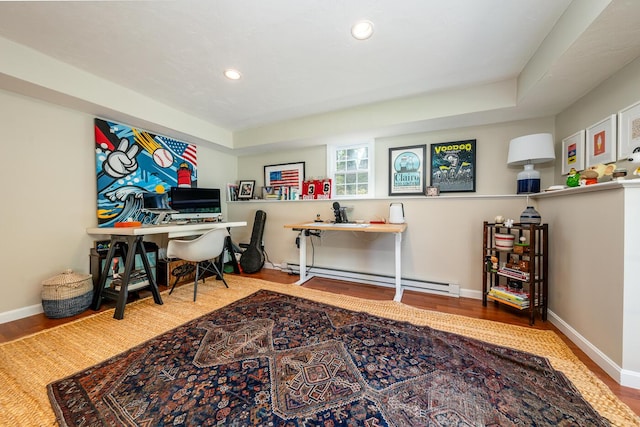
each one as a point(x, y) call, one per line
point(232, 192)
point(513, 273)
point(287, 193)
point(512, 297)
point(137, 280)
point(520, 305)
point(509, 293)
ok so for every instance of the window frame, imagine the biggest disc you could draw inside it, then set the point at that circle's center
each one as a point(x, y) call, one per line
point(332, 150)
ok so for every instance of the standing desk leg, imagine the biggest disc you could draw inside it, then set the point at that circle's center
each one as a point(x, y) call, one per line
point(303, 258)
point(398, 296)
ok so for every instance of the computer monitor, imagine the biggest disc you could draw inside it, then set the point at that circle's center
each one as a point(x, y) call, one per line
point(155, 201)
point(155, 207)
point(195, 203)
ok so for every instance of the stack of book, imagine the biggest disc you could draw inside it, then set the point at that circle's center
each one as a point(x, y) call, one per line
point(512, 297)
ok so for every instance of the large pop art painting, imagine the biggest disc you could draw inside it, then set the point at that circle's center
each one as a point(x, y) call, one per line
point(132, 165)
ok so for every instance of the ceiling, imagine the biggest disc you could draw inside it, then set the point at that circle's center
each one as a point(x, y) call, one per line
point(299, 61)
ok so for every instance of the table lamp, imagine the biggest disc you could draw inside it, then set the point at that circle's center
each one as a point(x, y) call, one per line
point(528, 150)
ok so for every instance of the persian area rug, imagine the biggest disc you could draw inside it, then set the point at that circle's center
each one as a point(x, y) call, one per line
point(272, 359)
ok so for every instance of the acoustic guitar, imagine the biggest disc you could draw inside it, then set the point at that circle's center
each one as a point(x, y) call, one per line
point(252, 259)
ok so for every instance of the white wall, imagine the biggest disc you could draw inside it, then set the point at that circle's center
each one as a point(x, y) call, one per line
point(493, 174)
point(619, 91)
point(49, 195)
point(597, 289)
point(49, 177)
point(586, 281)
point(442, 243)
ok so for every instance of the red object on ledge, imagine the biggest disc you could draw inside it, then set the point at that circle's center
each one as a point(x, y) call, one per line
point(128, 224)
point(590, 181)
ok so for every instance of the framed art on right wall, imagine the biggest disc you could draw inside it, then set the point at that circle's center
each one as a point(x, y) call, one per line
point(601, 142)
point(628, 130)
point(573, 152)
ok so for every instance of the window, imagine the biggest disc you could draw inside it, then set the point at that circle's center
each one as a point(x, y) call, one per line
point(351, 170)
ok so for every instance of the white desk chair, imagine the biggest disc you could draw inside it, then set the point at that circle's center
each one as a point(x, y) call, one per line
point(203, 251)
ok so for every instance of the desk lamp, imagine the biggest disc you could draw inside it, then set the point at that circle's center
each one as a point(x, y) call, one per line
point(528, 150)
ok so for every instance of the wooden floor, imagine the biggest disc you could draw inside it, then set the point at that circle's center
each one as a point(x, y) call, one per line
point(463, 306)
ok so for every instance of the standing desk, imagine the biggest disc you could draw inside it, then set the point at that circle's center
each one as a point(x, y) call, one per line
point(129, 239)
point(396, 229)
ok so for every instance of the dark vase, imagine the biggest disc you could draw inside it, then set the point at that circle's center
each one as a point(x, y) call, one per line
point(530, 216)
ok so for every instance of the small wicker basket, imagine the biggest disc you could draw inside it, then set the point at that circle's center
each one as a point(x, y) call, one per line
point(66, 294)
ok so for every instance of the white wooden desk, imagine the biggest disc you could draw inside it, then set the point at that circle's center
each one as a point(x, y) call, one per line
point(129, 239)
point(171, 229)
point(396, 229)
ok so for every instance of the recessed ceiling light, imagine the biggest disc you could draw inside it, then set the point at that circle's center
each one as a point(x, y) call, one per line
point(362, 30)
point(232, 74)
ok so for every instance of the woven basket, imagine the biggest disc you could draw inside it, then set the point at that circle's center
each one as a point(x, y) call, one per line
point(66, 294)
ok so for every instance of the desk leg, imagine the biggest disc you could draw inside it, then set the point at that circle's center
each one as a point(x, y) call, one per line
point(134, 245)
point(303, 258)
point(130, 256)
point(228, 244)
point(97, 291)
point(398, 296)
point(153, 284)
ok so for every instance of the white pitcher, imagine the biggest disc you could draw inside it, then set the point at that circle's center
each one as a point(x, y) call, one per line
point(396, 213)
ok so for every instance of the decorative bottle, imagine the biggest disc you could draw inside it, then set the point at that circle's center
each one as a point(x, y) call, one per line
point(530, 216)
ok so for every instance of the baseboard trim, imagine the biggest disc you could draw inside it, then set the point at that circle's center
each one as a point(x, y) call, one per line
point(623, 377)
point(468, 293)
point(439, 288)
point(20, 313)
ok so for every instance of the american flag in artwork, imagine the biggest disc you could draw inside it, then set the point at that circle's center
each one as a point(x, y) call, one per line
point(181, 149)
point(284, 178)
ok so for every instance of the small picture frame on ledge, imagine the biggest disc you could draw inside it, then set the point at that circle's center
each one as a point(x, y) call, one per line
point(432, 191)
point(573, 152)
point(628, 130)
point(601, 142)
point(245, 190)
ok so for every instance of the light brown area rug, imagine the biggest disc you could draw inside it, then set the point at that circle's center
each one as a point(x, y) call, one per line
point(29, 364)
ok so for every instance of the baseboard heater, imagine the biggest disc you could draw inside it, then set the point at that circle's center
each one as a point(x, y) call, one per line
point(447, 289)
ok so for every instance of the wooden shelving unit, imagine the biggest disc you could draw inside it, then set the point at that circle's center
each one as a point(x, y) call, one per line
point(517, 278)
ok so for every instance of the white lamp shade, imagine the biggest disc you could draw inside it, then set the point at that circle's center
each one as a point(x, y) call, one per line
point(528, 149)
